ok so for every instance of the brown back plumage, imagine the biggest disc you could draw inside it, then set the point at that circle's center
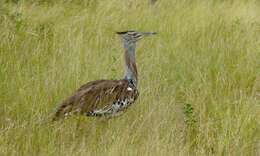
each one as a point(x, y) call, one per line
point(96, 95)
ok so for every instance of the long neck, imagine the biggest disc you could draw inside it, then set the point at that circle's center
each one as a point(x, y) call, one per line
point(130, 65)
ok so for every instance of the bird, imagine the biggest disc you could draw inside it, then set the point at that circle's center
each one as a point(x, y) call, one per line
point(107, 98)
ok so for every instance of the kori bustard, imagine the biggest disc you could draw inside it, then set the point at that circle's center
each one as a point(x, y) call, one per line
point(107, 97)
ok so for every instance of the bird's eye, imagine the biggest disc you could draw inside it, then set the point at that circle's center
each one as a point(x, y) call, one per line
point(137, 35)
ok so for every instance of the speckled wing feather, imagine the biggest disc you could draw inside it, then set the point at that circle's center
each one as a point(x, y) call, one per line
point(98, 98)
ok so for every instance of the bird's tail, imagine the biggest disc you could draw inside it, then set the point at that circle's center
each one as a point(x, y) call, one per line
point(64, 110)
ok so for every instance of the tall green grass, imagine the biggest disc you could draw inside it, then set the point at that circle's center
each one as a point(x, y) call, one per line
point(199, 77)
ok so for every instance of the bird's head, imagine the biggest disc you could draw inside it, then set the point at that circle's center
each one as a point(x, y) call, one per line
point(133, 36)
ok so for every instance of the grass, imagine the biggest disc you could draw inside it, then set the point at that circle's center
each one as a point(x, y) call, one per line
point(199, 78)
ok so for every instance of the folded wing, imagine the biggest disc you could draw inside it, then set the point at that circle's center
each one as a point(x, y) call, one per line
point(97, 98)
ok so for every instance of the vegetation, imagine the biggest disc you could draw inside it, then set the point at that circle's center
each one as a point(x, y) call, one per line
point(199, 77)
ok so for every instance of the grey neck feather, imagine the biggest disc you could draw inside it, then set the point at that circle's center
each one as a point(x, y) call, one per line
point(130, 65)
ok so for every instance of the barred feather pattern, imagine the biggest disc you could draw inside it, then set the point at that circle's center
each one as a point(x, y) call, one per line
point(99, 98)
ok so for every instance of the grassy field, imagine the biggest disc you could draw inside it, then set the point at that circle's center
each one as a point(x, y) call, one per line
point(199, 78)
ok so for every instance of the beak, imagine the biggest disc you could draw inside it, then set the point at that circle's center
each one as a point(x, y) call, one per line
point(148, 33)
